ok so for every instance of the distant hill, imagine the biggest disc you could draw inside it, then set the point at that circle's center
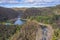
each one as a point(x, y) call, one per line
point(44, 11)
point(7, 13)
point(11, 13)
point(30, 29)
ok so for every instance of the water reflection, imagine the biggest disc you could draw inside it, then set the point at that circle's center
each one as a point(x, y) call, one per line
point(18, 22)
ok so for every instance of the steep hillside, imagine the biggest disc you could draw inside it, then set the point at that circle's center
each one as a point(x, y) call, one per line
point(7, 13)
point(7, 31)
point(32, 30)
point(10, 13)
point(45, 11)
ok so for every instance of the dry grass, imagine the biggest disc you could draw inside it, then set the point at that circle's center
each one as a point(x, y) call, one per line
point(29, 31)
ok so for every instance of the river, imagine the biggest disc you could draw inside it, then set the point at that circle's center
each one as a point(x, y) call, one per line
point(18, 22)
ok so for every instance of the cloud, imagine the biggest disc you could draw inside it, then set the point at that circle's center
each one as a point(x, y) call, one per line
point(40, 2)
point(27, 1)
point(30, 2)
point(9, 1)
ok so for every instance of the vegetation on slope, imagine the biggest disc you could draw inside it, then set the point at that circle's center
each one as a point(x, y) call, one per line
point(50, 15)
point(6, 31)
point(26, 32)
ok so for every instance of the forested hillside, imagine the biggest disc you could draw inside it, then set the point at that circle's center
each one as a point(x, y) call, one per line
point(44, 11)
point(37, 19)
point(9, 13)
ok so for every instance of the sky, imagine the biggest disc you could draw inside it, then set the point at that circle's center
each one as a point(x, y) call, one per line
point(28, 3)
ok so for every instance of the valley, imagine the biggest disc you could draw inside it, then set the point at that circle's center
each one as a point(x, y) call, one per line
point(30, 23)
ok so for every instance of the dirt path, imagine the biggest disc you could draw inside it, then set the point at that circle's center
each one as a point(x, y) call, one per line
point(44, 33)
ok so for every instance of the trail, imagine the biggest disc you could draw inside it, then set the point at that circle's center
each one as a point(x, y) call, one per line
point(45, 32)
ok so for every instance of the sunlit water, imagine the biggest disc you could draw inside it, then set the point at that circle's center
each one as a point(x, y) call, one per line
point(18, 22)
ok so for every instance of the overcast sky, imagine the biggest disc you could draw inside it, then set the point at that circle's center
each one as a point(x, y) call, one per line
point(28, 3)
